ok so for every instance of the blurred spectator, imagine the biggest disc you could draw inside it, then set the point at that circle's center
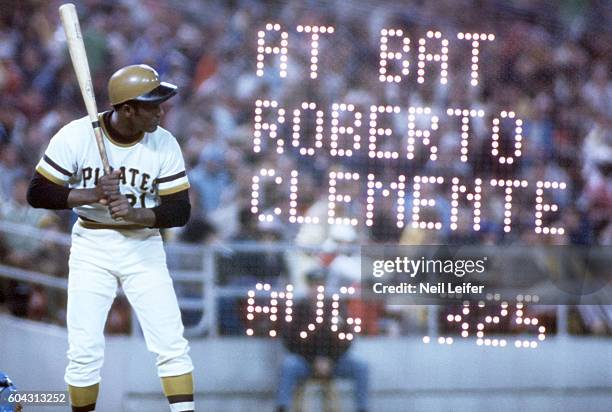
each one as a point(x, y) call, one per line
point(596, 319)
point(38, 304)
point(28, 251)
point(596, 198)
point(249, 267)
point(119, 317)
point(211, 178)
point(9, 169)
point(597, 92)
point(245, 268)
point(322, 351)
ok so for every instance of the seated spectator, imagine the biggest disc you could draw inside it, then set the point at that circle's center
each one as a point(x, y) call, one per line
point(321, 353)
point(245, 268)
point(38, 304)
point(27, 251)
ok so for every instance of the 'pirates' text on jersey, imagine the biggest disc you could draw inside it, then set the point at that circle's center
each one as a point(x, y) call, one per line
point(152, 166)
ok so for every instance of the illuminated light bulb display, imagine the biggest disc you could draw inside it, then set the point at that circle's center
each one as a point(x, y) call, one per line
point(388, 55)
point(459, 190)
point(319, 313)
point(541, 207)
point(425, 56)
point(518, 138)
point(315, 33)
point(475, 39)
point(263, 48)
point(394, 47)
point(293, 203)
point(271, 128)
point(465, 114)
point(377, 186)
point(335, 198)
point(271, 309)
point(265, 175)
point(340, 131)
point(423, 135)
point(382, 132)
point(337, 129)
point(474, 197)
point(310, 151)
point(508, 186)
point(278, 307)
point(420, 202)
point(478, 321)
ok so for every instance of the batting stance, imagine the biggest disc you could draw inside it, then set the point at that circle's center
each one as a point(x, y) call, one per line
point(117, 238)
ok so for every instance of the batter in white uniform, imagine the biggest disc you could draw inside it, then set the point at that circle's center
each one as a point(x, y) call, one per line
point(116, 238)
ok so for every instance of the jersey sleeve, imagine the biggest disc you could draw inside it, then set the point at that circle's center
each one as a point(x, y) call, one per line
point(58, 163)
point(172, 177)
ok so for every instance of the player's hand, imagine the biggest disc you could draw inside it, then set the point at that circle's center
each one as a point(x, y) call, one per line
point(108, 185)
point(120, 207)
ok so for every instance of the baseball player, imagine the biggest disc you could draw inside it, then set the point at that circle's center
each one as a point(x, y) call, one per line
point(117, 238)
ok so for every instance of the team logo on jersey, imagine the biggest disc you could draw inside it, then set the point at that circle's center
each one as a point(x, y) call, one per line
point(132, 177)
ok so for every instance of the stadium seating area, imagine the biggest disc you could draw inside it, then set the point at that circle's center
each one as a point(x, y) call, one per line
point(550, 63)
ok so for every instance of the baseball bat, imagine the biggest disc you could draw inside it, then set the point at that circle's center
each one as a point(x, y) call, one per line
point(72, 28)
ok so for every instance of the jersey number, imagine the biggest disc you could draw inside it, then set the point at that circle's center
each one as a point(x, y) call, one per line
point(132, 199)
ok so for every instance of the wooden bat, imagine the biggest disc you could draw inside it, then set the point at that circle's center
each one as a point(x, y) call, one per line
point(72, 28)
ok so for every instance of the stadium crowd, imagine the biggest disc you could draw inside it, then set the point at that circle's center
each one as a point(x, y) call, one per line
point(550, 63)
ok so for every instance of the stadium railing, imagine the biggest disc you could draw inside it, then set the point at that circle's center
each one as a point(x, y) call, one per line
point(195, 271)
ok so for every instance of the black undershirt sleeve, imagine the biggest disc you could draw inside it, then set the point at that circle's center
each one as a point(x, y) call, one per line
point(173, 211)
point(43, 193)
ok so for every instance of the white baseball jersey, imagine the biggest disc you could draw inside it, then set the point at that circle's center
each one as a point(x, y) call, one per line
point(152, 166)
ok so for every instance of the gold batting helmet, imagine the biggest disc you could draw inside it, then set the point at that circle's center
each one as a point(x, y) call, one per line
point(138, 82)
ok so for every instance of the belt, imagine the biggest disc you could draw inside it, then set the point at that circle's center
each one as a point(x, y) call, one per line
point(92, 224)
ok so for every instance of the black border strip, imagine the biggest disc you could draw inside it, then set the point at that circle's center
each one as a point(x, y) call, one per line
point(56, 166)
point(86, 408)
point(180, 398)
point(171, 178)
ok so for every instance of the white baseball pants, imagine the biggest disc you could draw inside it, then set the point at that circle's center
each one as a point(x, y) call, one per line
point(99, 259)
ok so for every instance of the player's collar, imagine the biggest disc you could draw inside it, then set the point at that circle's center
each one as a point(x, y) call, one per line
point(103, 117)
